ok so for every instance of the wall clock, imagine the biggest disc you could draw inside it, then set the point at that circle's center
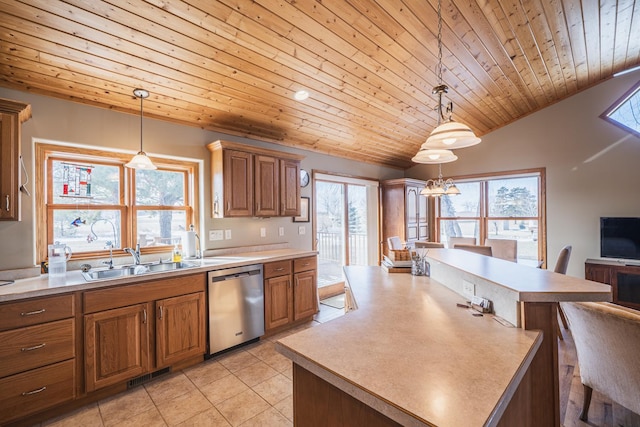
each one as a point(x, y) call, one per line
point(304, 178)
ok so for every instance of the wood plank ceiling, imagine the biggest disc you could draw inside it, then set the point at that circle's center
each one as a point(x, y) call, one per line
point(233, 65)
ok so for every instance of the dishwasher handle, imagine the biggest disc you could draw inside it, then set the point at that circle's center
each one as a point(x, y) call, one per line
point(231, 276)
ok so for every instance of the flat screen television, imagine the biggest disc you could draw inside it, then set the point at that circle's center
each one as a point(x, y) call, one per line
point(620, 238)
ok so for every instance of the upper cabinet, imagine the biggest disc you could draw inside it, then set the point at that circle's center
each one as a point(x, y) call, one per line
point(404, 211)
point(12, 115)
point(252, 181)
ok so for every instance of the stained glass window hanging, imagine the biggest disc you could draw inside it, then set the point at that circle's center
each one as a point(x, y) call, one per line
point(76, 180)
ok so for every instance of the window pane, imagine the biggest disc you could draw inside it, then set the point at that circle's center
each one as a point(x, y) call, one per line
point(357, 226)
point(87, 230)
point(459, 228)
point(160, 227)
point(627, 113)
point(513, 197)
point(466, 204)
point(85, 183)
point(524, 231)
point(159, 188)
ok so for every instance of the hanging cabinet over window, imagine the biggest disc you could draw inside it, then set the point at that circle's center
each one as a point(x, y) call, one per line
point(404, 211)
point(12, 115)
point(253, 181)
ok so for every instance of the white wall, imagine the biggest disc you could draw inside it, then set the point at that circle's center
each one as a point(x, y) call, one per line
point(58, 120)
point(592, 166)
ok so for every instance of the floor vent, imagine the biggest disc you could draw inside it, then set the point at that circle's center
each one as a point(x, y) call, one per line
point(147, 377)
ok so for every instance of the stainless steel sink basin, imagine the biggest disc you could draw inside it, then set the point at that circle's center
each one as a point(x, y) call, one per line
point(135, 270)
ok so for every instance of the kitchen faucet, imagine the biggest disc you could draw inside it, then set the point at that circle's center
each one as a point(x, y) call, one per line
point(109, 245)
point(134, 253)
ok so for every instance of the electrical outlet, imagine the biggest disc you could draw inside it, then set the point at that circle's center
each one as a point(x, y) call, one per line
point(263, 232)
point(468, 289)
point(227, 234)
point(302, 230)
point(281, 231)
point(216, 235)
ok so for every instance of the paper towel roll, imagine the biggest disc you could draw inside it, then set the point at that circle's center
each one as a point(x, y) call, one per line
point(189, 244)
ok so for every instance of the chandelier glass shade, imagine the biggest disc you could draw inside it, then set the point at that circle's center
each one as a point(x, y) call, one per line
point(440, 187)
point(141, 160)
point(428, 156)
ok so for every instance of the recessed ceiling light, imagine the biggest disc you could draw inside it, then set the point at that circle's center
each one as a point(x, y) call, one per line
point(301, 95)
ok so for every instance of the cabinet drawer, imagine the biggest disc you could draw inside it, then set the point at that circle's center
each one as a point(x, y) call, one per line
point(35, 390)
point(34, 346)
point(34, 311)
point(305, 264)
point(275, 269)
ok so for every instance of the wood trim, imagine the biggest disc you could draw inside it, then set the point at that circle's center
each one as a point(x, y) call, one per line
point(220, 144)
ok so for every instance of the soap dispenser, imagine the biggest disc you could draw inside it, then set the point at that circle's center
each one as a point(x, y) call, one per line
point(177, 254)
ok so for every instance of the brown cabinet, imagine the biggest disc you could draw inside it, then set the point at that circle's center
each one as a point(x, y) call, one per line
point(290, 292)
point(404, 211)
point(135, 329)
point(12, 115)
point(624, 281)
point(37, 355)
point(252, 181)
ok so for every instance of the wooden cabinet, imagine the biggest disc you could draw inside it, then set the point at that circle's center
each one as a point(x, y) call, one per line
point(290, 292)
point(624, 280)
point(37, 355)
point(253, 181)
point(136, 329)
point(12, 115)
point(404, 211)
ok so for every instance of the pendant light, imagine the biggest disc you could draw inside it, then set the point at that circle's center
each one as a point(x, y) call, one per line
point(141, 160)
point(449, 135)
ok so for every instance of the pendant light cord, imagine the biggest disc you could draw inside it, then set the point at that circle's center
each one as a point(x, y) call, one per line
point(141, 113)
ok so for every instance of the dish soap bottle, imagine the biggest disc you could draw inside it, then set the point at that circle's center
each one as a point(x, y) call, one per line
point(177, 254)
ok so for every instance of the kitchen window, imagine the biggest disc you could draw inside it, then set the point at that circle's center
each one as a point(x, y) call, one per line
point(91, 202)
point(508, 205)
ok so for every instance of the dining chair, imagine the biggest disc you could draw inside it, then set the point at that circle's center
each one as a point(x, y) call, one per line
point(503, 248)
point(561, 267)
point(461, 241)
point(423, 244)
point(479, 249)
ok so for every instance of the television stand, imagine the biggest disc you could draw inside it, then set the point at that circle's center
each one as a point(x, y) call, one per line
point(622, 275)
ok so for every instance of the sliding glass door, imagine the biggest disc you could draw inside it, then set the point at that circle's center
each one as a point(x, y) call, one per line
point(346, 225)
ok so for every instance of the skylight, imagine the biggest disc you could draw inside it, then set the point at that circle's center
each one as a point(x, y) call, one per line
point(625, 113)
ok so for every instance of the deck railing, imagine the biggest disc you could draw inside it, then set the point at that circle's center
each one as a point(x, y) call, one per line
point(330, 247)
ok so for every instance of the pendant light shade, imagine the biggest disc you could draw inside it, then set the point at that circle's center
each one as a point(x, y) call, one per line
point(451, 135)
point(140, 160)
point(428, 156)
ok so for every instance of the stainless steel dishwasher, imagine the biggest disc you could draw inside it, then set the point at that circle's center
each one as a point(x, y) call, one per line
point(236, 306)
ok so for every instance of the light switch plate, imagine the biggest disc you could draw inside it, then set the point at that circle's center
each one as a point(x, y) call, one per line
point(302, 229)
point(468, 289)
point(216, 235)
point(227, 234)
point(263, 232)
point(281, 231)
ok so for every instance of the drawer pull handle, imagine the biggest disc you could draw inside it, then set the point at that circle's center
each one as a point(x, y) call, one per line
point(36, 391)
point(279, 269)
point(31, 313)
point(35, 347)
point(305, 264)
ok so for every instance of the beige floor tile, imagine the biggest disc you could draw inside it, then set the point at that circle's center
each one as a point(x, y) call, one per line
point(223, 389)
point(288, 372)
point(278, 362)
point(285, 407)
point(274, 389)
point(88, 415)
point(183, 407)
point(208, 418)
point(169, 387)
point(256, 373)
point(238, 360)
point(206, 372)
point(120, 407)
point(242, 407)
point(150, 418)
point(263, 350)
point(269, 418)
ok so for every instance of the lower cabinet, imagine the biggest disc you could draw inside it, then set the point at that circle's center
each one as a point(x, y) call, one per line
point(290, 289)
point(158, 330)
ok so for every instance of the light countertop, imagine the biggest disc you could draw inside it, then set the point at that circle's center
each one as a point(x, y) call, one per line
point(74, 281)
point(412, 354)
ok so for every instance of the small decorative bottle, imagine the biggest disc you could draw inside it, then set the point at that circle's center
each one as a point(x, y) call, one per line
point(177, 254)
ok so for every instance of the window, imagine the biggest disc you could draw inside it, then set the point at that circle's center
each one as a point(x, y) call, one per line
point(500, 206)
point(625, 113)
point(91, 202)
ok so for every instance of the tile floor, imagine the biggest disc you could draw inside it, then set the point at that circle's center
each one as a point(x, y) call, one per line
point(250, 386)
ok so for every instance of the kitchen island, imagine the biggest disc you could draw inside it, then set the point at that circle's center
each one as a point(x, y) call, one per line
point(410, 356)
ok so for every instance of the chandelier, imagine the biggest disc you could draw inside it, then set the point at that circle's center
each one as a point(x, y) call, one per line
point(440, 187)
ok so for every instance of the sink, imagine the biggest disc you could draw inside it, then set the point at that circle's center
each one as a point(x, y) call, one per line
point(135, 270)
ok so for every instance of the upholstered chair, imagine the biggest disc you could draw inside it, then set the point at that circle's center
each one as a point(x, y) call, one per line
point(423, 244)
point(503, 248)
point(461, 241)
point(482, 250)
point(561, 267)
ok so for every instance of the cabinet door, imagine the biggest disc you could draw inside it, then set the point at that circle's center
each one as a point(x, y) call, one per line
point(278, 309)
point(598, 273)
point(304, 294)
point(116, 345)
point(10, 172)
point(238, 183)
point(411, 212)
point(180, 328)
point(289, 187)
point(267, 186)
point(423, 217)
